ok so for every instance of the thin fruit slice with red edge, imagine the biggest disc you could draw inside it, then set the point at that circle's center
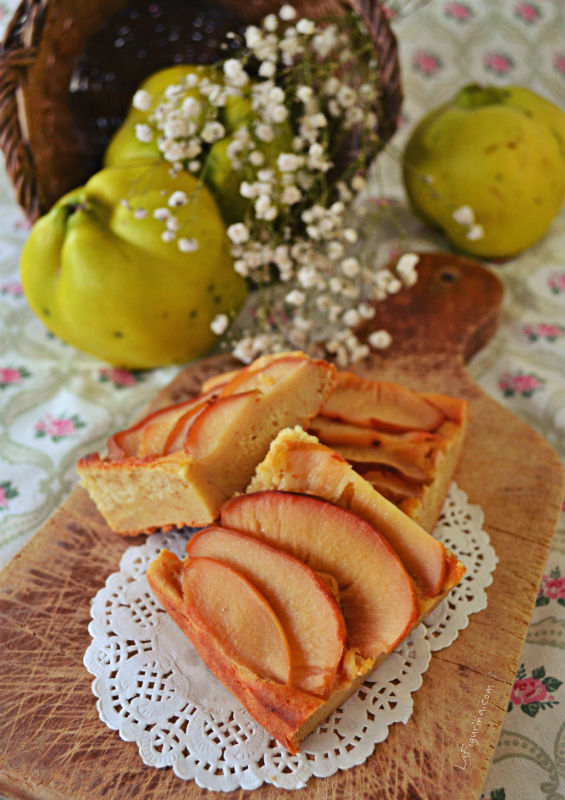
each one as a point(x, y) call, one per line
point(380, 404)
point(224, 603)
point(377, 596)
point(297, 462)
point(147, 436)
point(309, 613)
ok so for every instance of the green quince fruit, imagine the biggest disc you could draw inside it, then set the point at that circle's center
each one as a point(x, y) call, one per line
point(488, 168)
point(223, 176)
point(98, 273)
point(125, 144)
point(224, 181)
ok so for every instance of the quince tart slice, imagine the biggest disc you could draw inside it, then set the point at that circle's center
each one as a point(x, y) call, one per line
point(292, 602)
point(178, 465)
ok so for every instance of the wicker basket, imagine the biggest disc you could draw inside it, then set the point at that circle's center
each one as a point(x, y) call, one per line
point(68, 70)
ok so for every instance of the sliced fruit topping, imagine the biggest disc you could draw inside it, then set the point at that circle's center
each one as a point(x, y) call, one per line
point(223, 602)
point(380, 404)
point(297, 462)
point(376, 593)
point(309, 613)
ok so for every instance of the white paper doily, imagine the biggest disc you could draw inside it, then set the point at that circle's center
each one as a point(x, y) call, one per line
point(155, 691)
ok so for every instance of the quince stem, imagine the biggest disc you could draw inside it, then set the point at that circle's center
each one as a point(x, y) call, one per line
point(475, 96)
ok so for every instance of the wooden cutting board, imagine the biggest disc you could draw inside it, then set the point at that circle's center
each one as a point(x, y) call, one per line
point(52, 743)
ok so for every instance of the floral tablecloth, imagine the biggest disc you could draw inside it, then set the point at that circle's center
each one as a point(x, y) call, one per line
point(56, 403)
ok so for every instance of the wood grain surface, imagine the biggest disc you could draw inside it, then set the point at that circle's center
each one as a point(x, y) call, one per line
point(52, 743)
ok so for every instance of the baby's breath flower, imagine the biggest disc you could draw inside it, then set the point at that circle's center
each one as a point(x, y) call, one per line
point(306, 27)
point(144, 133)
point(291, 195)
point(175, 127)
point(406, 268)
point(212, 132)
point(287, 12)
point(380, 340)
point(191, 107)
point(253, 36)
point(350, 235)
point(350, 267)
point(289, 162)
point(187, 245)
point(351, 317)
point(394, 286)
point(173, 151)
point(346, 96)
point(178, 198)
point(324, 42)
point(173, 91)
point(305, 94)
point(219, 324)
point(264, 208)
point(264, 132)
point(142, 100)
point(234, 73)
point(238, 233)
point(270, 22)
point(295, 240)
point(278, 114)
point(464, 215)
point(267, 69)
point(335, 250)
point(295, 298)
point(475, 232)
point(358, 182)
point(308, 277)
point(244, 350)
point(256, 158)
point(240, 266)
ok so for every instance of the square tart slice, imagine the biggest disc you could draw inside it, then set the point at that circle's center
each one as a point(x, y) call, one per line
point(292, 602)
point(177, 466)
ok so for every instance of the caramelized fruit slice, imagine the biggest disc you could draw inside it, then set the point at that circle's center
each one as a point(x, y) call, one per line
point(264, 374)
point(297, 462)
point(301, 600)
point(223, 602)
point(379, 404)
point(377, 596)
point(394, 487)
point(415, 460)
point(219, 423)
point(147, 437)
point(178, 434)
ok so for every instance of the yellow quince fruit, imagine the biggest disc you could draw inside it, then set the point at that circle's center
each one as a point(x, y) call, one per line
point(221, 173)
point(126, 144)
point(97, 271)
point(488, 169)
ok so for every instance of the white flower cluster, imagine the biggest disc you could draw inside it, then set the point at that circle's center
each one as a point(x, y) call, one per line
point(306, 87)
point(464, 215)
point(320, 310)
